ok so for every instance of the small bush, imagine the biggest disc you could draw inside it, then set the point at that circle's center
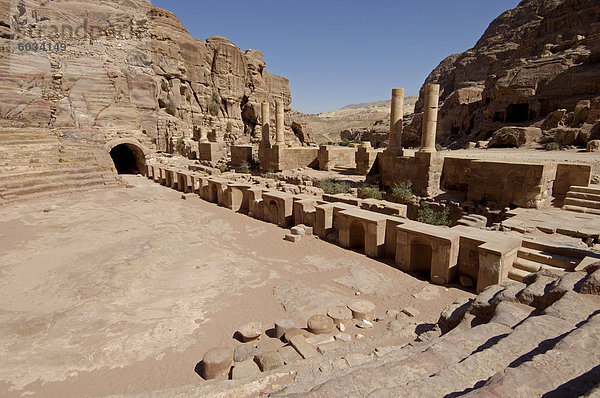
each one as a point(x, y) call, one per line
point(428, 215)
point(345, 142)
point(402, 192)
point(371, 192)
point(180, 146)
point(213, 106)
point(552, 146)
point(333, 187)
point(245, 168)
point(271, 174)
point(223, 168)
point(171, 107)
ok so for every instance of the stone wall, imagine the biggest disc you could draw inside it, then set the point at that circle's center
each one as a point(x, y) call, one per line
point(331, 157)
point(241, 154)
point(279, 157)
point(568, 175)
point(521, 184)
point(423, 171)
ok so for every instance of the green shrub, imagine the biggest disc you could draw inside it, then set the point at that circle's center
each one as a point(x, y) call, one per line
point(244, 168)
point(271, 174)
point(171, 107)
point(428, 215)
point(333, 187)
point(552, 146)
point(180, 146)
point(371, 192)
point(213, 106)
point(402, 192)
point(345, 142)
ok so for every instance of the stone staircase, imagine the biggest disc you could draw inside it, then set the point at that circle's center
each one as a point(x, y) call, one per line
point(37, 163)
point(537, 338)
point(583, 199)
point(535, 256)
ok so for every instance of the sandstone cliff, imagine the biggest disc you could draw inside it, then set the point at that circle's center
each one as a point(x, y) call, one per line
point(541, 56)
point(127, 69)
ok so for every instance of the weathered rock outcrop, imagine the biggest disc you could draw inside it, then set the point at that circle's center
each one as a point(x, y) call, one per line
point(541, 56)
point(126, 68)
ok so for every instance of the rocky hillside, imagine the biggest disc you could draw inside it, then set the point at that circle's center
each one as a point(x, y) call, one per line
point(369, 121)
point(123, 68)
point(540, 57)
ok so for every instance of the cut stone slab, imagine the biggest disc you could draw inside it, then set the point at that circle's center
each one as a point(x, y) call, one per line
point(243, 352)
point(292, 238)
point(269, 360)
point(304, 349)
point(294, 332)
point(362, 309)
point(282, 326)
point(250, 331)
point(320, 324)
point(289, 354)
point(245, 369)
point(216, 363)
point(320, 339)
point(343, 337)
point(323, 349)
point(339, 314)
point(298, 231)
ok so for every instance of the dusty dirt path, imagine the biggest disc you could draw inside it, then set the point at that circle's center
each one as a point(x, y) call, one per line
point(122, 291)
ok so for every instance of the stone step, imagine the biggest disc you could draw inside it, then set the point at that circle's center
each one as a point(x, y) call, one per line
point(551, 372)
point(534, 336)
point(582, 203)
point(394, 369)
point(517, 274)
point(8, 144)
point(56, 188)
point(31, 179)
point(583, 195)
point(579, 209)
point(44, 194)
point(589, 189)
point(48, 171)
point(527, 265)
point(549, 258)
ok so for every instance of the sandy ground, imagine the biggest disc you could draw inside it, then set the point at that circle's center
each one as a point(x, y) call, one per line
point(122, 291)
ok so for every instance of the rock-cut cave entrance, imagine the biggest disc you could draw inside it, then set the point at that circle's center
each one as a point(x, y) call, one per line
point(128, 158)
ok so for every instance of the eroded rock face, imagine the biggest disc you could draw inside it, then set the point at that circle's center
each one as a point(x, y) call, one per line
point(128, 68)
point(541, 56)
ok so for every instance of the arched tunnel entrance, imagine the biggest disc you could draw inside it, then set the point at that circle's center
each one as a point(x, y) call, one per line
point(128, 158)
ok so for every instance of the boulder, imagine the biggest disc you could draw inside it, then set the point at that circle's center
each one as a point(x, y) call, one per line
point(514, 137)
point(593, 146)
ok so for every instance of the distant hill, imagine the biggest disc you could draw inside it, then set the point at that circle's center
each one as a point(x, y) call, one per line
point(327, 126)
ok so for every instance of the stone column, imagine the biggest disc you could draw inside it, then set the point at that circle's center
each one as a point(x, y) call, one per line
point(396, 118)
point(432, 96)
point(266, 120)
point(203, 135)
point(280, 123)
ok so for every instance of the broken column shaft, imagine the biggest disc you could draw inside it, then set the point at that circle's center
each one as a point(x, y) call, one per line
point(280, 123)
point(432, 96)
point(266, 120)
point(396, 118)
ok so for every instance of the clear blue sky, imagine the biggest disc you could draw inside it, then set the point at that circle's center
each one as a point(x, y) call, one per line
point(337, 52)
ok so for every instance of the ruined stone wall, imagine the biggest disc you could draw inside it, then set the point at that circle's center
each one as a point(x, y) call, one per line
point(279, 157)
point(522, 184)
point(331, 157)
point(423, 171)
